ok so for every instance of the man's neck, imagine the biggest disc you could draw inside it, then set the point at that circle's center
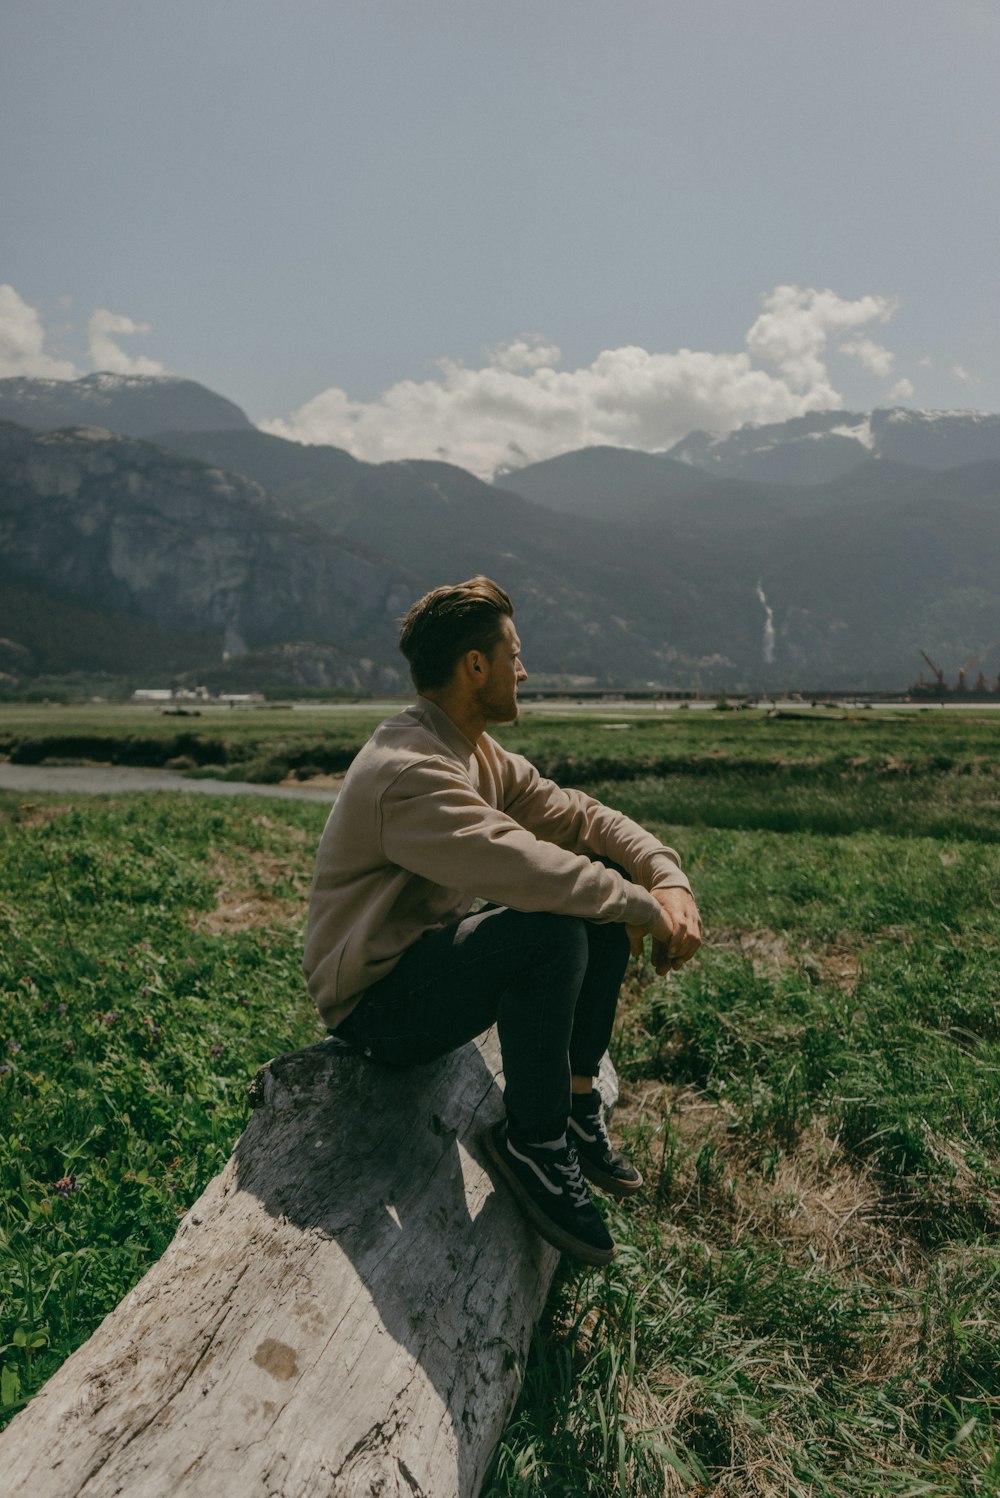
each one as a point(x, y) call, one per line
point(466, 716)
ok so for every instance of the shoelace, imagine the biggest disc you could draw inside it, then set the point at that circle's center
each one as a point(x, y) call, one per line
point(594, 1123)
point(576, 1186)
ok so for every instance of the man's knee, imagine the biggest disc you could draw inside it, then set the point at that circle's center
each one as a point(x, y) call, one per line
point(548, 937)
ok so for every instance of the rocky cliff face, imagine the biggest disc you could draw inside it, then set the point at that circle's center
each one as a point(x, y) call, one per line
point(106, 521)
point(303, 664)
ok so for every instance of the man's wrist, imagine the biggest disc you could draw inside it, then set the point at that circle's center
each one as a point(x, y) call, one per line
point(642, 909)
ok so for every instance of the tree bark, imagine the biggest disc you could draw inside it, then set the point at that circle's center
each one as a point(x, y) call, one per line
point(346, 1309)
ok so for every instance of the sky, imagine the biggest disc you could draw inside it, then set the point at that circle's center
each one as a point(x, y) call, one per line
point(494, 230)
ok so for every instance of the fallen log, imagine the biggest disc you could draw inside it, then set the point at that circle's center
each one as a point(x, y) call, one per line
point(346, 1309)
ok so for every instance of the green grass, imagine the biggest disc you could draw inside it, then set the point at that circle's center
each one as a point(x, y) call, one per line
point(807, 1298)
point(807, 1295)
point(130, 1025)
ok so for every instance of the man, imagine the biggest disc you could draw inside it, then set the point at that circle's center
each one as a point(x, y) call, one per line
point(432, 816)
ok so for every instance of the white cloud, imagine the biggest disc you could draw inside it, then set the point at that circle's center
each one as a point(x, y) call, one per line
point(520, 408)
point(527, 352)
point(793, 332)
point(961, 373)
point(22, 342)
point(880, 360)
point(873, 356)
point(103, 329)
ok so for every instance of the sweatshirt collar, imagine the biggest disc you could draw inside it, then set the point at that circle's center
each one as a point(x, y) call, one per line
point(445, 729)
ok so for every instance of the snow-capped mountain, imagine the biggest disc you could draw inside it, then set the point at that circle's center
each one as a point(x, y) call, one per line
point(817, 448)
point(134, 405)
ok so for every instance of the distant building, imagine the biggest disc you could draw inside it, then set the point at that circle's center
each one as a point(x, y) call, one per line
point(152, 694)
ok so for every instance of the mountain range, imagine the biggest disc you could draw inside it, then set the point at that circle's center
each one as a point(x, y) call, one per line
point(147, 525)
point(826, 444)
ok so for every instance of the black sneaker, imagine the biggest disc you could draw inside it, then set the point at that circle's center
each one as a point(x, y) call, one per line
point(552, 1193)
point(599, 1160)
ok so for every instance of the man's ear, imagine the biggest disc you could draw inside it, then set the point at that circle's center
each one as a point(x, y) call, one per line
point(474, 664)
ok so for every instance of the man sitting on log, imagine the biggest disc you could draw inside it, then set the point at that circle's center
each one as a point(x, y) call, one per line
point(434, 815)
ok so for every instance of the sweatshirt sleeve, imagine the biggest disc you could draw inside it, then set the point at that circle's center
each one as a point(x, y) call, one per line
point(433, 823)
point(578, 822)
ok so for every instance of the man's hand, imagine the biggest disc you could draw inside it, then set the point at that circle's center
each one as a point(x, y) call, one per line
point(676, 934)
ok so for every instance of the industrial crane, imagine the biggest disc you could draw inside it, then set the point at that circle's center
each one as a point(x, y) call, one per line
point(939, 674)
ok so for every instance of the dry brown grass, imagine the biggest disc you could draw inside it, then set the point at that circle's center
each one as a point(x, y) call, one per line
point(30, 814)
point(315, 782)
point(810, 1199)
point(770, 953)
point(264, 888)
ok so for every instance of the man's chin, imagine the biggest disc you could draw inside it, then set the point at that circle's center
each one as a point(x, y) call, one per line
point(504, 717)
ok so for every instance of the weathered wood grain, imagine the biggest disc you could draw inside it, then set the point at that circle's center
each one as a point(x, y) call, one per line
point(344, 1311)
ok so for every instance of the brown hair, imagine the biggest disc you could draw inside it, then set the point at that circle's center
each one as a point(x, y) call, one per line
point(445, 623)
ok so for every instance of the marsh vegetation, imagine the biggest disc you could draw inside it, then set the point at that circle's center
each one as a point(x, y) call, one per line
point(807, 1294)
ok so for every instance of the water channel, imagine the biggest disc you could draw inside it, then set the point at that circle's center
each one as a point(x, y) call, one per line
point(106, 780)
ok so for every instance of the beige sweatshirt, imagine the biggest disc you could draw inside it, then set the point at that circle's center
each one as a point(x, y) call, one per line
point(426, 822)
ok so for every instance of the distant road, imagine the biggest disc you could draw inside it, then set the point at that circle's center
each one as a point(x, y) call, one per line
point(94, 780)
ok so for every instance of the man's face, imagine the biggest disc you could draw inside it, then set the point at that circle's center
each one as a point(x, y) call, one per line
point(497, 697)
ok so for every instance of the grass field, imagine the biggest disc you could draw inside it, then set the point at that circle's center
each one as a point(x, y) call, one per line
point(807, 1294)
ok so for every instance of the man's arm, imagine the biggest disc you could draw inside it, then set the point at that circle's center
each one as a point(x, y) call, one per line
point(573, 820)
point(431, 822)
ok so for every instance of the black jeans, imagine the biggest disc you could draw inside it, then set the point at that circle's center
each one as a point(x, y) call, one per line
point(549, 982)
